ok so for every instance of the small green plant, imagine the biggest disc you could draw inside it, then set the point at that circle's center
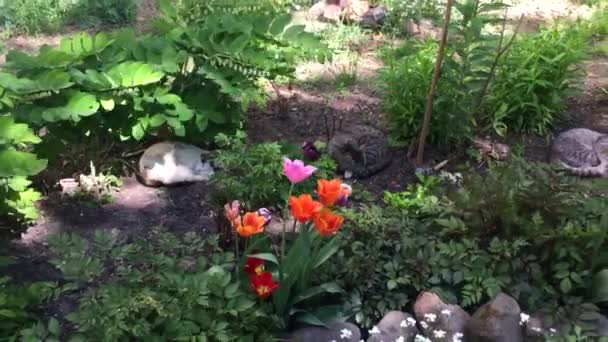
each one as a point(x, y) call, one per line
point(33, 16)
point(164, 287)
point(91, 13)
point(402, 10)
point(533, 82)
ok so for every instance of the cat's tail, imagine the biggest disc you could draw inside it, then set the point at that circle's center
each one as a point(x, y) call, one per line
point(589, 171)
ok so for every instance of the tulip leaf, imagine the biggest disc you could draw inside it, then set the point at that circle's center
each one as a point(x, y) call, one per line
point(315, 291)
point(326, 252)
point(266, 256)
point(308, 318)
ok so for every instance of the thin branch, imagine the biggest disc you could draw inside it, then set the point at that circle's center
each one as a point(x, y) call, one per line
point(429, 102)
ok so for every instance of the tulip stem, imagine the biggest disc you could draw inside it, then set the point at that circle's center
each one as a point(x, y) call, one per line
point(286, 216)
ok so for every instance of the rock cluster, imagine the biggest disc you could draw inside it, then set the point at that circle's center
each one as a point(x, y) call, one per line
point(358, 11)
point(499, 320)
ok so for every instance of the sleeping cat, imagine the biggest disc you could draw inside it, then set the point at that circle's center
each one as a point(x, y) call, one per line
point(582, 151)
point(168, 163)
point(360, 150)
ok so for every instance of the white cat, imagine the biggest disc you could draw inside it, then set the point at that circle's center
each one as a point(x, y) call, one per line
point(168, 163)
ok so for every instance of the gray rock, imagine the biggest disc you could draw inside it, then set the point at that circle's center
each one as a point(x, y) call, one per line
point(496, 321)
point(395, 325)
point(374, 17)
point(316, 11)
point(435, 315)
point(338, 331)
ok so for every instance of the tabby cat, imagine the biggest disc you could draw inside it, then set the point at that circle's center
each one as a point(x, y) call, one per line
point(360, 150)
point(582, 151)
point(170, 163)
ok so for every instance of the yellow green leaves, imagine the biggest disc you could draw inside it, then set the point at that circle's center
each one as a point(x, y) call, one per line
point(79, 104)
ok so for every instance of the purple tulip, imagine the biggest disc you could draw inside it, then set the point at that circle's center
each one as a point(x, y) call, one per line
point(267, 215)
point(310, 151)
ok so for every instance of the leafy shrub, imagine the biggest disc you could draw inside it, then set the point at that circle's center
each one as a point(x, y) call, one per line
point(465, 74)
point(91, 13)
point(253, 174)
point(50, 16)
point(522, 229)
point(406, 81)
point(533, 82)
point(161, 288)
point(33, 16)
point(119, 86)
point(401, 10)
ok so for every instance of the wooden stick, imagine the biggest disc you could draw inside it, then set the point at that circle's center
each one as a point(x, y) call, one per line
point(437, 72)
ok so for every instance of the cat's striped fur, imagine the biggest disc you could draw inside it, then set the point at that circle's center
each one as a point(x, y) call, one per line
point(360, 149)
point(582, 151)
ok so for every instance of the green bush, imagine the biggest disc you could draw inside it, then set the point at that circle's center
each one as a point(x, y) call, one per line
point(50, 16)
point(193, 78)
point(93, 13)
point(533, 82)
point(34, 16)
point(406, 81)
point(159, 288)
point(523, 229)
point(401, 10)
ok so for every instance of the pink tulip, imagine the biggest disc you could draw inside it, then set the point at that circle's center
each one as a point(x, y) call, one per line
point(232, 210)
point(296, 171)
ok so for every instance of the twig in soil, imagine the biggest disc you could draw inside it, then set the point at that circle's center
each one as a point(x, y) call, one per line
point(436, 74)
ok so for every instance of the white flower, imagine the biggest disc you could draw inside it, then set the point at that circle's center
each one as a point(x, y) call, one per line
point(537, 329)
point(446, 312)
point(420, 338)
point(408, 322)
point(523, 318)
point(552, 331)
point(439, 333)
point(404, 324)
point(424, 325)
point(457, 337)
point(375, 330)
point(345, 333)
point(430, 317)
point(400, 339)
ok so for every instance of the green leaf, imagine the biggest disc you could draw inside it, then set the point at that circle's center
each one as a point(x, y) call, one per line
point(108, 104)
point(54, 327)
point(326, 252)
point(138, 131)
point(14, 133)
point(79, 104)
point(599, 287)
point(309, 319)
point(201, 122)
point(315, 291)
point(157, 120)
point(16, 163)
point(266, 256)
point(391, 284)
point(565, 285)
point(18, 183)
point(279, 23)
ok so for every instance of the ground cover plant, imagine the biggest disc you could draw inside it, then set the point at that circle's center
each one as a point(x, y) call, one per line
point(470, 243)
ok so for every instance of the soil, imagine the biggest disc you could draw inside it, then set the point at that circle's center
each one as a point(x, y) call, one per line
point(307, 114)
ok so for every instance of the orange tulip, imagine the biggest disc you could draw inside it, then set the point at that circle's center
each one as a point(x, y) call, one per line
point(329, 191)
point(250, 224)
point(303, 208)
point(327, 222)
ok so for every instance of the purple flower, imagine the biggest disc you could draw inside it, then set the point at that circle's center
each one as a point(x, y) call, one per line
point(345, 191)
point(266, 214)
point(310, 151)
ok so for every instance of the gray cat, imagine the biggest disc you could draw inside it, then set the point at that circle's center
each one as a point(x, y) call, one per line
point(582, 151)
point(361, 150)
